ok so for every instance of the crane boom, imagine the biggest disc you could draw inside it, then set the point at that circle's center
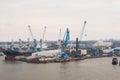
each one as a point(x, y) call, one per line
point(34, 40)
point(31, 32)
point(44, 33)
point(82, 31)
point(59, 35)
point(66, 37)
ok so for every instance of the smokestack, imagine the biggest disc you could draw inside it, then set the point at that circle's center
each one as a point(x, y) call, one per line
point(77, 45)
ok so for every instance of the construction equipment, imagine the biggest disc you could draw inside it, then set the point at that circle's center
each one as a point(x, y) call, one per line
point(31, 32)
point(64, 42)
point(42, 39)
point(79, 41)
point(34, 40)
point(66, 38)
point(82, 32)
point(59, 39)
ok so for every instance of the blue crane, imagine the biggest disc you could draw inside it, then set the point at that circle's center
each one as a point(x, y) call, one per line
point(64, 44)
point(66, 38)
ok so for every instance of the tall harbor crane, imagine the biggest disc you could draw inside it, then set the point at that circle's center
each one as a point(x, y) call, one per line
point(66, 37)
point(65, 40)
point(59, 39)
point(34, 40)
point(59, 35)
point(80, 40)
point(82, 31)
point(42, 39)
point(31, 32)
point(44, 33)
point(64, 44)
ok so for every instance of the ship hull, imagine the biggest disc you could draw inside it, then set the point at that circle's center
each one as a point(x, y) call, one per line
point(16, 53)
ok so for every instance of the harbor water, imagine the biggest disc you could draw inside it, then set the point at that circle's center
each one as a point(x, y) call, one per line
point(88, 69)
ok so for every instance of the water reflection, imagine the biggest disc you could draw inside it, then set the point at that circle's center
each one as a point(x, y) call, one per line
point(11, 62)
point(65, 71)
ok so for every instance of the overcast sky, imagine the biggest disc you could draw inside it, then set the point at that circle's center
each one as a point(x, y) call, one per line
point(102, 16)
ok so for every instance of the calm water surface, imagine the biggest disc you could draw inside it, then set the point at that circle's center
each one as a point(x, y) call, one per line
point(89, 69)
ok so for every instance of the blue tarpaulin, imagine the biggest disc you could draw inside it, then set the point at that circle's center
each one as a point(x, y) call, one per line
point(64, 55)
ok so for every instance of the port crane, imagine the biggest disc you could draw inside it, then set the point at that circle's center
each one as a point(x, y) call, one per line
point(42, 39)
point(80, 40)
point(64, 41)
point(64, 44)
point(31, 32)
point(59, 39)
point(82, 32)
point(34, 40)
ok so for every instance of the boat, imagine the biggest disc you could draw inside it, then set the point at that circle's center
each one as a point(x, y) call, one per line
point(114, 61)
point(16, 53)
point(10, 53)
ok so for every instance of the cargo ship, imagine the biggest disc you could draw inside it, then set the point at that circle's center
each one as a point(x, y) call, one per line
point(16, 53)
point(11, 53)
point(18, 49)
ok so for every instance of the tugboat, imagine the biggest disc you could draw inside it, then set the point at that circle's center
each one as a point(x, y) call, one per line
point(114, 61)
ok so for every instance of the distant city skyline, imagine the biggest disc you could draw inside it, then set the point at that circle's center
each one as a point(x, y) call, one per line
point(102, 18)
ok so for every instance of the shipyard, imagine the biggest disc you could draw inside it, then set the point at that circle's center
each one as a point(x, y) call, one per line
point(60, 60)
point(59, 40)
